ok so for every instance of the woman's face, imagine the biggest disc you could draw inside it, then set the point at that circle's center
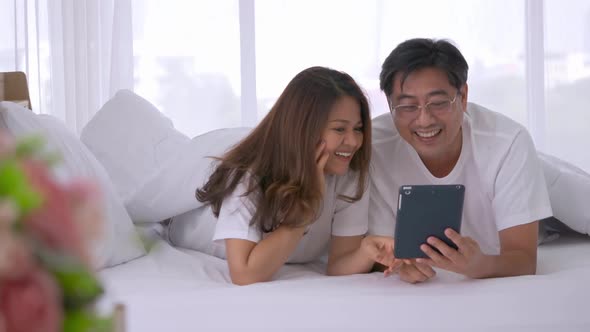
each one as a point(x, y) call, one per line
point(343, 134)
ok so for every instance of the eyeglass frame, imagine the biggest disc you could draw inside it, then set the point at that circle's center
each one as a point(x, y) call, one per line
point(393, 110)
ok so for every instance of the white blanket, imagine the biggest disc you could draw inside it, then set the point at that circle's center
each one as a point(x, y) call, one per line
point(180, 290)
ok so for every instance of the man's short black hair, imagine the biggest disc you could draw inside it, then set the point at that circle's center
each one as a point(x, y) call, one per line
point(419, 53)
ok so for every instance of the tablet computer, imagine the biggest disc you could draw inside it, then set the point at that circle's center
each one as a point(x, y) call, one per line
point(424, 211)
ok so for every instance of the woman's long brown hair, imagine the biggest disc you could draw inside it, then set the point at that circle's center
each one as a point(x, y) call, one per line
point(278, 156)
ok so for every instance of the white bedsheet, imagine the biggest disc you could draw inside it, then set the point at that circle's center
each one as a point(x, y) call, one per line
point(173, 289)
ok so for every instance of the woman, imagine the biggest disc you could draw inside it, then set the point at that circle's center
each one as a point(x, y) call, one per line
point(296, 184)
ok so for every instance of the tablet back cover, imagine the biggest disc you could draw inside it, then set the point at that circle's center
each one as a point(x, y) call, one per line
point(423, 211)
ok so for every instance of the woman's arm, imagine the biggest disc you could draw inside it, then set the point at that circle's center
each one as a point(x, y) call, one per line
point(250, 262)
point(358, 254)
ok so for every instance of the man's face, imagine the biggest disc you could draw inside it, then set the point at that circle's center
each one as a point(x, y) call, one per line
point(433, 131)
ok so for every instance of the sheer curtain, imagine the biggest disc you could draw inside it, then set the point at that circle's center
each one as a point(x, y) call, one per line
point(76, 53)
point(567, 80)
point(209, 64)
point(187, 61)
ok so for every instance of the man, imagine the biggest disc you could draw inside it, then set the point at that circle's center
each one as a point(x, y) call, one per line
point(437, 137)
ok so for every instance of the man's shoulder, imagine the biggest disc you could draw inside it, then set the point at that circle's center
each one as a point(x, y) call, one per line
point(497, 142)
point(384, 136)
point(489, 124)
point(386, 141)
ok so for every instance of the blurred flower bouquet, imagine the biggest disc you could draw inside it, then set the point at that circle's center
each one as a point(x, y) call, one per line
point(47, 282)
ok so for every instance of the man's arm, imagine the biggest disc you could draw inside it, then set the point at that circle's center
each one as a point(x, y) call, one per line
point(520, 199)
point(518, 254)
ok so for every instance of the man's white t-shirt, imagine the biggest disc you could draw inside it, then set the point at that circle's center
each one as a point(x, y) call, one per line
point(498, 165)
point(338, 218)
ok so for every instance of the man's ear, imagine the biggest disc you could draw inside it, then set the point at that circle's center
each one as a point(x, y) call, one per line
point(388, 99)
point(464, 91)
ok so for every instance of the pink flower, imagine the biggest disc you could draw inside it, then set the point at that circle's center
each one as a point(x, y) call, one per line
point(6, 146)
point(16, 259)
point(15, 256)
point(66, 219)
point(53, 222)
point(31, 304)
point(7, 214)
point(87, 209)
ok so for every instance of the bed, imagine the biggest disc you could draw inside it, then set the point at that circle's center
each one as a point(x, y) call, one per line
point(173, 289)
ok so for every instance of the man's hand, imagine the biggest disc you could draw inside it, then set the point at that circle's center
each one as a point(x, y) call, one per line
point(468, 259)
point(415, 272)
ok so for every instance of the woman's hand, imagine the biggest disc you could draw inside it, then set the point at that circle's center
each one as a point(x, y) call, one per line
point(321, 158)
point(380, 250)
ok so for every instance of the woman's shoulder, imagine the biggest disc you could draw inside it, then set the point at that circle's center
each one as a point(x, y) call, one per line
point(346, 184)
point(244, 194)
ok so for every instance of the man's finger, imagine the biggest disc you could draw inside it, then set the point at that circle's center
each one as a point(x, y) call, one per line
point(444, 249)
point(435, 257)
point(426, 270)
point(427, 261)
point(453, 236)
point(410, 273)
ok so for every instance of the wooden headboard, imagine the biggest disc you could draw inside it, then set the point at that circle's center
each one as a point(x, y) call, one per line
point(14, 87)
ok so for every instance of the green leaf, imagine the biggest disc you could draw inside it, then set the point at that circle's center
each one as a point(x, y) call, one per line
point(52, 159)
point(86, 321)
point(28, 146)
point(79, 285)
point(14, 185)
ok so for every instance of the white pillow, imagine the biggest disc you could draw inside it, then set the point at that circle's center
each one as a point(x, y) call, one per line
point(120, 242)
point(569, 192)
point(132, 140)
point(194, 230)
point(171, 191)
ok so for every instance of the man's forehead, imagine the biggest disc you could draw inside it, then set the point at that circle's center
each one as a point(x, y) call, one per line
point(421, 82)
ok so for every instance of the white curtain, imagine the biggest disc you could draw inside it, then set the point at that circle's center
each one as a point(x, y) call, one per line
point(76, 53)
point(209, 64)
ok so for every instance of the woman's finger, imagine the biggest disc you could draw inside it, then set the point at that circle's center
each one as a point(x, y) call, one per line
point(320, 150)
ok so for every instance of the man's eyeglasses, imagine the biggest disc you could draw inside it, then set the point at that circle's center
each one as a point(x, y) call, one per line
point(436, 107)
